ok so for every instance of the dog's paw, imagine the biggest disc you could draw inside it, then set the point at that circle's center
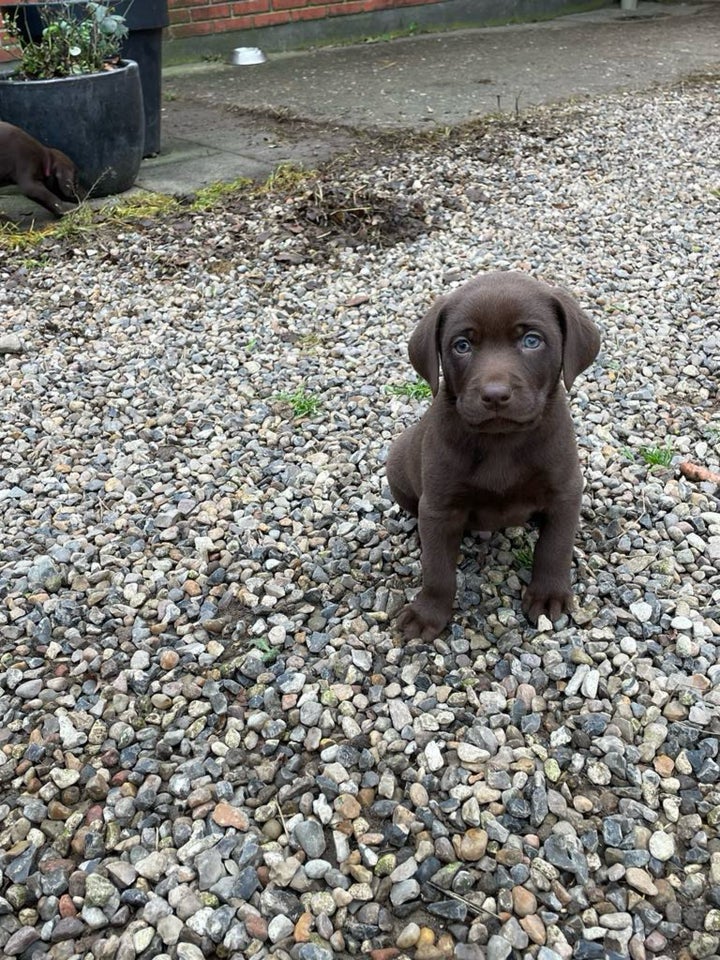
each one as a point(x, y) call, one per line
point(552, 600)
point(421, 621)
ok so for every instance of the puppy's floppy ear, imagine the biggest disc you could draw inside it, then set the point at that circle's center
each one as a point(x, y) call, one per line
point(424, 346)
point(581, 340)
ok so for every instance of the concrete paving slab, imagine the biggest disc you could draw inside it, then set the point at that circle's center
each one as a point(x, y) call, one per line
point(447, 79)
point(238, 133)
point(196, 164)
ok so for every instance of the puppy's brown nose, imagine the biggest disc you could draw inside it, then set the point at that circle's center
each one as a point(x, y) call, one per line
point(496, 393)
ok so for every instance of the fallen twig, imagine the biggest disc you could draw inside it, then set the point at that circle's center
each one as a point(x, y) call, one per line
point(468, 903)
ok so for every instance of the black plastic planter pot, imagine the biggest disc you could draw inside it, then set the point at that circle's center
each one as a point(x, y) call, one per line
point(97, 119)
point(145, 21)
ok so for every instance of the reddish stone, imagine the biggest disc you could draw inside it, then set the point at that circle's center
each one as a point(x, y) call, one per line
point(226, 815)
point(256, 927)
point(66, 907)
point(110, 758)
point(93, 813)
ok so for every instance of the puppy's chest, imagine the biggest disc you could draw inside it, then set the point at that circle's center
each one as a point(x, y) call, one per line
point(499, 492)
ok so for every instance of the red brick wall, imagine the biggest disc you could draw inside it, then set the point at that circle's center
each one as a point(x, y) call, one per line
point(211, 18)
point(196, 18)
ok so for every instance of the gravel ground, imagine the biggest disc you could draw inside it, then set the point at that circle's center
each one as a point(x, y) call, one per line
point(212, 742)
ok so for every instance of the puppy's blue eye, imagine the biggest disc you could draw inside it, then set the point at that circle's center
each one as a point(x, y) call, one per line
point(462, 345)
point(531, 341)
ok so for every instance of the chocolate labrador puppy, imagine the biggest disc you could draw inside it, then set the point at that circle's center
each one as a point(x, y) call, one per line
point(43, 174)
point(497, 447)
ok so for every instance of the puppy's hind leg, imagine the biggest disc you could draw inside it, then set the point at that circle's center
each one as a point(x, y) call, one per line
point(403, 472)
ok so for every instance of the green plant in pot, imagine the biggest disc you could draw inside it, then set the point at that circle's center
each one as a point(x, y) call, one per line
point(71, 90)
point(69, 45)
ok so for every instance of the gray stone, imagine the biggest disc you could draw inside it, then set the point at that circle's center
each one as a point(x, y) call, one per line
point(404, 891)
point(498, 948)
point(20, 941)
point(279, 928)
point(566, 853)
point(310, 836)
point(10, 343)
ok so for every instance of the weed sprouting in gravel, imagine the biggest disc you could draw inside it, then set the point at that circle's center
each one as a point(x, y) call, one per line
point(209, 196)
point(142, 206)
point(267, 653)
point(411, 390)
point(523, 557)
point(657, 456)
point(302, 403)
point(285, 177)
point(34, 263)
point(13, 238)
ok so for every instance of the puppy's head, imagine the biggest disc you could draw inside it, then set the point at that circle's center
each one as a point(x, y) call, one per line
point(503, 340)
point(63, 175)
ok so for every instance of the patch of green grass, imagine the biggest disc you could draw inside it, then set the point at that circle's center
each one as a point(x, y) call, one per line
point(268, 653)
point(303, 404)
point(77, 223)
point(14, 239)
point(657, 456)
point(32, 263)
point(286, 175)
point(84, 220)
point(411, 390)
point(251, 344)
point(214, 192)
point(524, 557)
point(142, 205)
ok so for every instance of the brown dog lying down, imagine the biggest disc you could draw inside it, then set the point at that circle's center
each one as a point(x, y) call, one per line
point(43, 174)
point(497, 446)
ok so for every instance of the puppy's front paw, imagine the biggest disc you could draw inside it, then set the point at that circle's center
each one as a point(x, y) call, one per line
point(421, 620)
point(551, 599)
point(61, 209)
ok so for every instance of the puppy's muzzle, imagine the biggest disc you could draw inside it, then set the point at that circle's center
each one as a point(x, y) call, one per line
point(495, 405)
point(496, 394)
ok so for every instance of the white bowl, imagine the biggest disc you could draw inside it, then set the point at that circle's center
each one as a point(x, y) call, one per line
point(242, 56)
